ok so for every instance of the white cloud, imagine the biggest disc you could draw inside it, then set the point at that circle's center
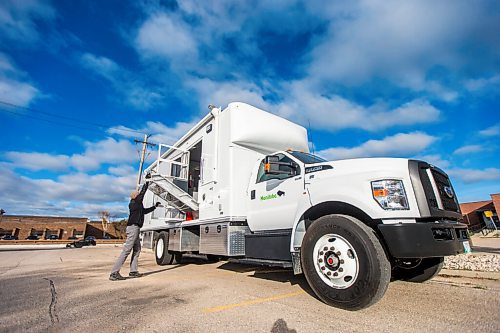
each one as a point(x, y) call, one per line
point(468, 149)
point(121, 170)
point(335, 112)
point(38, 161)
point(159, 132)
point(479, 84)
point(107, 151)
point(131, 88)
point(475, 175)
point(401, 145)
point(399, 41)
point(166, 35)
point(14, 85)
point(434, 159)
point(100, 65)
point(222, 93)
point(19, 19)
point(491, 131)
point(73, 194)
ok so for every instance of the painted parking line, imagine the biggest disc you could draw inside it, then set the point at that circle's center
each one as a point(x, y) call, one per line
point(251, 302)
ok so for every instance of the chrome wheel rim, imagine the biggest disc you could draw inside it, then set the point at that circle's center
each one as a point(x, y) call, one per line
point(159, 248)
point(335, 260)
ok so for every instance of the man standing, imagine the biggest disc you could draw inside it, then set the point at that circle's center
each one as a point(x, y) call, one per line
point(134, 224)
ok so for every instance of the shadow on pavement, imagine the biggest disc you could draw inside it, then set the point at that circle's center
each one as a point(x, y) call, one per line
point(277, 274)
point(280, 326)
point(160, 270)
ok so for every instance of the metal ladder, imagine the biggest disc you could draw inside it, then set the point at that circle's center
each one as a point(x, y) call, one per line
point(175, 196)
point(168, 170)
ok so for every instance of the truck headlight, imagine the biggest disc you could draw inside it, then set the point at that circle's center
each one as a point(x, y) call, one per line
point(390, 194)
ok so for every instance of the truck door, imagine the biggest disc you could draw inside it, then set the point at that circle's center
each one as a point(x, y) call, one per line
point(274, 199)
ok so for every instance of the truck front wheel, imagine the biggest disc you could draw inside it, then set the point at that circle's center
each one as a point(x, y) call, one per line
point(163, 257)
point(344, 262)
point(418, 270)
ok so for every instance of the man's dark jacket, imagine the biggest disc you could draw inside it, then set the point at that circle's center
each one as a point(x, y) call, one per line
point(137, 210)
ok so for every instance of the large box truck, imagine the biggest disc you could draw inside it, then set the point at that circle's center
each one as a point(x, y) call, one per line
point(241, 185)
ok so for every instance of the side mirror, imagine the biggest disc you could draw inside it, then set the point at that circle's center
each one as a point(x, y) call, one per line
point(272, 166)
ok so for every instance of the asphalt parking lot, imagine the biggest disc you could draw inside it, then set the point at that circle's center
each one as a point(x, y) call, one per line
point(67, 290)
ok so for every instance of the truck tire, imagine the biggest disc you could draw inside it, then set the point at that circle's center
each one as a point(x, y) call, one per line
point(423, 271)
point(344, 262)
point(163, 257)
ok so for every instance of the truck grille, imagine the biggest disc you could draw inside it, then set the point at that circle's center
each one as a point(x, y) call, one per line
point(442, 182)
point(433, 191)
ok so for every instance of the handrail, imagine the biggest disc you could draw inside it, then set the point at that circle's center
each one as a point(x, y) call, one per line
point(183, 174)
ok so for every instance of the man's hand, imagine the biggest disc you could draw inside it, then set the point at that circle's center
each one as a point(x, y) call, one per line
point(158, 204)
point(148, 175)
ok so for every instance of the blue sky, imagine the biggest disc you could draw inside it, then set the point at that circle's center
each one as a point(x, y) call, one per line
point(415, 79)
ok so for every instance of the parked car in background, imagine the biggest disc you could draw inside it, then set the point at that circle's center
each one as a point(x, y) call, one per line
point(81, 243)
point(52, 237)
point(9, 237)
point(32, 237)
point(90, 238)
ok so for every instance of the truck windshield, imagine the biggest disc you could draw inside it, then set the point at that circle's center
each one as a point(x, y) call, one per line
point(306, 158)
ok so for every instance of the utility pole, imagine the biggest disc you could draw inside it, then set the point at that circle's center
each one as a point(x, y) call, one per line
point(145, 145)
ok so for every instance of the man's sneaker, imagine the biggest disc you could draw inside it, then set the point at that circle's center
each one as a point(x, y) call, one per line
point(116, 276)
point(135, 274)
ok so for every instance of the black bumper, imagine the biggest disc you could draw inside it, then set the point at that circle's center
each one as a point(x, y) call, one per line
point(422, 240)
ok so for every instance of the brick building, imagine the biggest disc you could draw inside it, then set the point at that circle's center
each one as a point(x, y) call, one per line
point(474, 213)
point(63, 227)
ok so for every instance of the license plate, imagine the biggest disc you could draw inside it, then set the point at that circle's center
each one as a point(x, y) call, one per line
point(466, 246)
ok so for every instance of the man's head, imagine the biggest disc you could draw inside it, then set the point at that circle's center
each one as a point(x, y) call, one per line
point(134, 195)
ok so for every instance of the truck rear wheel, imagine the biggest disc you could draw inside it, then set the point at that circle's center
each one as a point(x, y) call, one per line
point(421, 271)
point(344, 262)
point(163, 257)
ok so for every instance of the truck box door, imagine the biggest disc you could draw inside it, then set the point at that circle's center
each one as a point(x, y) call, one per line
point(274, 199)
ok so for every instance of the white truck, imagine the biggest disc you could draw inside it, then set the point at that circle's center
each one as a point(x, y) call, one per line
point(241, 185)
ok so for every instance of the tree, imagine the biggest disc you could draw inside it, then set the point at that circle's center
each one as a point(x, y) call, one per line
point(104, 215)
point(120, 228)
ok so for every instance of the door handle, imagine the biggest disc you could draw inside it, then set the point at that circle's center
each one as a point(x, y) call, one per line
point(252, 195)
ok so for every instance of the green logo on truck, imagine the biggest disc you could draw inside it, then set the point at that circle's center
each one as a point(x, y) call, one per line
point(268, 197)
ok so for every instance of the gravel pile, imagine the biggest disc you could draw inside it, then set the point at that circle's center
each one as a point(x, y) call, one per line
point(474, 262)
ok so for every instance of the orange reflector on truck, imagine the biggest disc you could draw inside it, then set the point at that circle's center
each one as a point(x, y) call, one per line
point(267, 167)
point(380, 193)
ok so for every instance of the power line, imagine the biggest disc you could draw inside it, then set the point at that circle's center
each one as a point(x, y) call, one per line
point(52, 121)
point(93, 124)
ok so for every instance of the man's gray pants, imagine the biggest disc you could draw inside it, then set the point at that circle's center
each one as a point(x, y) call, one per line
point(132, 243)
